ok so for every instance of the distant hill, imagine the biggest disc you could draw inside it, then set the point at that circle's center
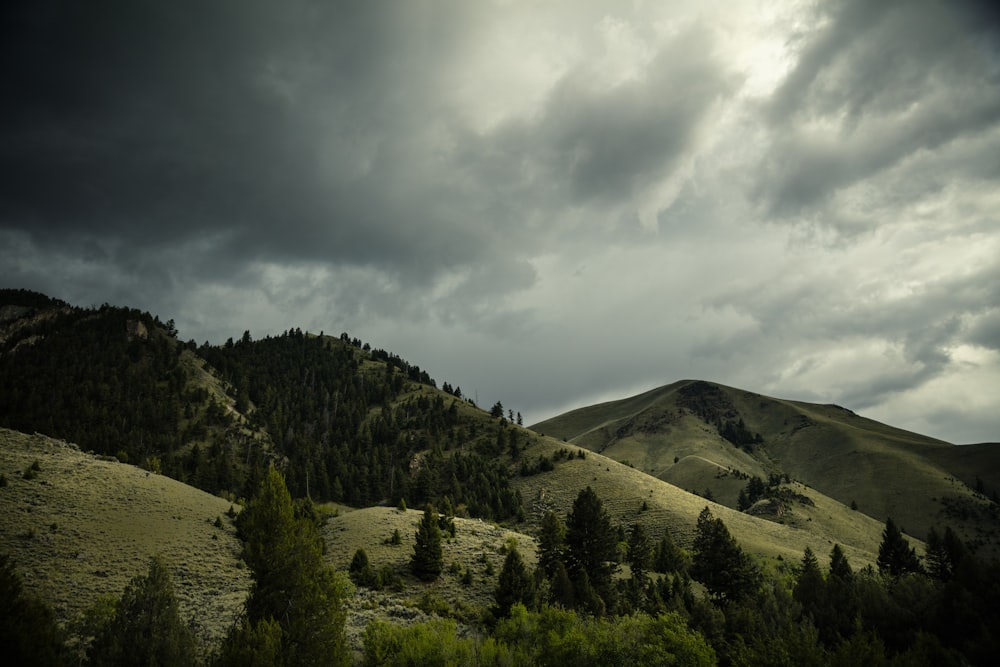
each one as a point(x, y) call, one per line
point(688, 433)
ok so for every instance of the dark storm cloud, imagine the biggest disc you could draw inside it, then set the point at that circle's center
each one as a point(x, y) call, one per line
point(877, 84)
point(158, 124)
point(555, 200)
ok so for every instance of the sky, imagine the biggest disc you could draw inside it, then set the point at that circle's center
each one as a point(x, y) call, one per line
point(549, 204)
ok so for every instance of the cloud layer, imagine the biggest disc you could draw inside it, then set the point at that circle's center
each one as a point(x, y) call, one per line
point(546, 205)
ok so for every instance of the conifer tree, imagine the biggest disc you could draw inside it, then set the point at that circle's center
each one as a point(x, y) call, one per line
point(668, 556)
point(640, 552)
point(427, 560)
point(29, 634)
point(839, 567)
point(551, 543)
point(292, 584)
point(895, 555)
point(591, 542)
point(514, 585)
point(719, 562)
point(810, 586)
point(147, 628)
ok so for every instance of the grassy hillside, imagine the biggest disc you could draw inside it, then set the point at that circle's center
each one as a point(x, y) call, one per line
point(84, 526)
point(676, 433)
point(624, 490)
point(477, 548)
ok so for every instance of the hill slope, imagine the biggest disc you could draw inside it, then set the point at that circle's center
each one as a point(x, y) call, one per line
point(682, 432)
point(83, 527)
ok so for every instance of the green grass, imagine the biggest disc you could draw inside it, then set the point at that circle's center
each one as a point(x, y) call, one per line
point(884, 470)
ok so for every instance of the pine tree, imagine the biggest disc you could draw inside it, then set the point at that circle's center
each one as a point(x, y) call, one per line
point(29, 634)
point(292, 584)
point(895, 555)
point(839, 567)
point(146, 628)
point(809, 587)
point(944, 554)
point(591, 542)
point(719, 562)
point(551, 543)
point(669, 557)
point(427, 561)
point(514, 585)
point(640, 552)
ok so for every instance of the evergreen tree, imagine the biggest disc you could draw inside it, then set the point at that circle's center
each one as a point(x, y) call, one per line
point(895, 555)
point(29, 634)
point(944, 554)
point(146, 628)
point(809, 588)
point(427, 561)
point(561, 591)
point(551, 543)
point(591, 542)
point(839, 567)
point(842, 604)
point(251, 645)
point(514, 585)
point(292, 583)
point(669, 557)
point(719, 562)
point(640, 552)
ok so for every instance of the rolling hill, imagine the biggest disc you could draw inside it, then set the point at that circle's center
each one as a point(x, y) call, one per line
point(360, 430)
point(689, 433)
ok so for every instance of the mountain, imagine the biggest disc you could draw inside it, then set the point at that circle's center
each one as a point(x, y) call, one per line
point(144, 443)
point(345, 422)
point(705, 436)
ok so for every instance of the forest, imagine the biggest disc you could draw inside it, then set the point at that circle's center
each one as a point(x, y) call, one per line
point(344, 422)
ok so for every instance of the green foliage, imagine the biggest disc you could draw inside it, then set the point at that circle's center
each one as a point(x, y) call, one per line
point(515, 585)
point(551, 543)
point(895, 555)
point(29, 634)
point(146, 628)
point(292, 584)
point(640, 552)
point(90, 381)
point(427, 561)
point(252, 645)
point(668, 557)
point(430, 644)
point(558, 638)
point(361, 571)
point(591, 543)
point(719, 563)
point(944, 554)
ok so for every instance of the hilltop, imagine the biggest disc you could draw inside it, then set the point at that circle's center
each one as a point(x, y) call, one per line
point(695, 435)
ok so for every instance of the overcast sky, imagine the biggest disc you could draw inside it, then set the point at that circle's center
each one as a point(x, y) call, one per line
point(545, 203)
